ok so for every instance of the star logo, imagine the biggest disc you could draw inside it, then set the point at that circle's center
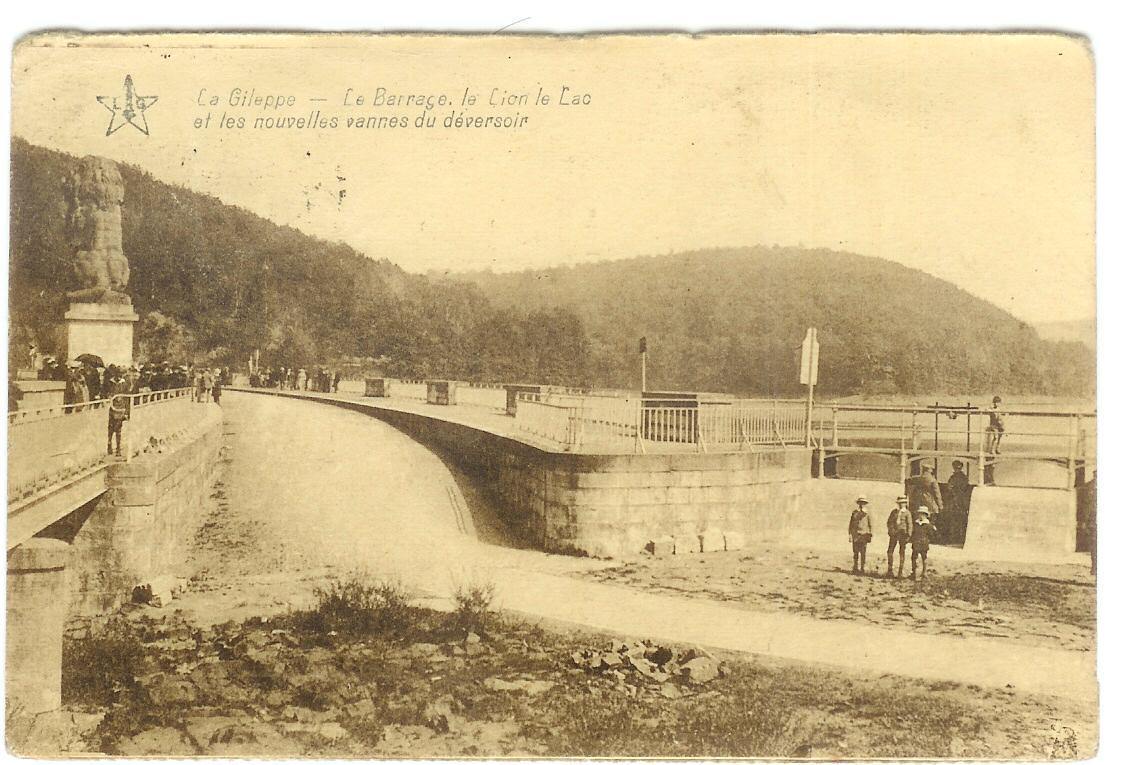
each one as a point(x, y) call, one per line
point(127, 109)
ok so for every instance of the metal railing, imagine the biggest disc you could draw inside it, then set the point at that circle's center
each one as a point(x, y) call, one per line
point(634, 425)
point(940, 432)
point(48, 445)
point(482, 395)
point(413, 389)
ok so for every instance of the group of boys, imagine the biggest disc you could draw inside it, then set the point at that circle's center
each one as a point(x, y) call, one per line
point(904, 530)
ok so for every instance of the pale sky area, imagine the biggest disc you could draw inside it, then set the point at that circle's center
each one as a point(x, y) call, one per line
point(970, 157)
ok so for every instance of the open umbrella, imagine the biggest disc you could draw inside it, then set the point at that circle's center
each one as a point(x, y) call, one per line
point(90, 358)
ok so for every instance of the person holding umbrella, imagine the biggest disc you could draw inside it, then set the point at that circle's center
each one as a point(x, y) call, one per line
point(91, 376)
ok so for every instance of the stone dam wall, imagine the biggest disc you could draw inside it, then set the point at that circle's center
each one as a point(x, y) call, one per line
point(144, 524)
point(614, 505)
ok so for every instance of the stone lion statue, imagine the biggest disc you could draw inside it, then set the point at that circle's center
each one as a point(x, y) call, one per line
point(94, 193)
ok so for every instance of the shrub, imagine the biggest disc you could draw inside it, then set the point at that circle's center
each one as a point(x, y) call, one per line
point(473, 606)
point(351, 606)
point(99, 670)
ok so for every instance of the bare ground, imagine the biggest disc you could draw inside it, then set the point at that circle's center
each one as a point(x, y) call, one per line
point(1041, 605)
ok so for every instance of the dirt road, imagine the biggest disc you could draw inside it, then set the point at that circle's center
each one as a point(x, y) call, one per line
point(312, 490)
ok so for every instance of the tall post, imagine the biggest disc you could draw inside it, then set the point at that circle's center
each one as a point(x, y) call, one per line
point(936, 437)
point(642, 347)
point(1072, 458)
point(810, 413)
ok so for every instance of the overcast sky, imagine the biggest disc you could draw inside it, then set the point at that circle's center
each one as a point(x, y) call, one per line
point(969, 157)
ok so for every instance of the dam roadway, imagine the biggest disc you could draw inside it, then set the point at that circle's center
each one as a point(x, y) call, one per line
point(312, 490)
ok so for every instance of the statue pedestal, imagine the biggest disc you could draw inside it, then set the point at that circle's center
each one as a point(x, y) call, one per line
point(104, 329)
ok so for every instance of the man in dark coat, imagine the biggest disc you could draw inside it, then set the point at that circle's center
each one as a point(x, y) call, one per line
point(925, 491)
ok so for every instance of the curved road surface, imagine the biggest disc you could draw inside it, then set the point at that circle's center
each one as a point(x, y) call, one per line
point(313, 490)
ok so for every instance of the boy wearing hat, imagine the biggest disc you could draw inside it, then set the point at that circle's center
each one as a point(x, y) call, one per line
point(861, 533)
point(118, 391)
point(900, 526)
point(922, 535)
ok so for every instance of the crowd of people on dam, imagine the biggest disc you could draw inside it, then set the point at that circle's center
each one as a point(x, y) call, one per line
point(319, 379)
point(87, 380)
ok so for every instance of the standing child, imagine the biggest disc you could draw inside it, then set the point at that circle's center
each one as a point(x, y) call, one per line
point(861, 533)
point(900, 526)
point(922, 536)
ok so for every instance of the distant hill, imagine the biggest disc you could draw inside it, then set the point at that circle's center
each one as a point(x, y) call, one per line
point(1083, 331)
point(730, 319)
point(224, 282)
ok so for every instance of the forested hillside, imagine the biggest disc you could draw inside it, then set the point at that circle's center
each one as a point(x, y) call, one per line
point(730, 320)
point(214, 282)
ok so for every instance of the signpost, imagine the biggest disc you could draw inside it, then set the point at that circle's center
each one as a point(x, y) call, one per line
point(808, 375)
point(642, 347)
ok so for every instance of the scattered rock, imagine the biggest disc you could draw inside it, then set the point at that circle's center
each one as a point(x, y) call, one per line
point(701, 669)
point(159, 591)
point(361, 708)
point(530, 687)
point(164, 690)
point(440, 714)
point(332, 731)
point(423, 650)
point(167, 742)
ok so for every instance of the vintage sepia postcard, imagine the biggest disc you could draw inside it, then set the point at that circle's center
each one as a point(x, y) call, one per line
point(535, 396)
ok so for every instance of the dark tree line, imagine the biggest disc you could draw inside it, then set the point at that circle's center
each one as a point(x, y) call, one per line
point(215, 282)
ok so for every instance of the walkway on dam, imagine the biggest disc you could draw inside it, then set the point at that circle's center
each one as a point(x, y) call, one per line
point(495, 421)
point(313, 490)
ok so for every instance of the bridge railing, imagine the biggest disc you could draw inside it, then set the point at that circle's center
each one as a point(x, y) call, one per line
point(417, 390)
point(626, 425)
point(46, 445)
point(482, 395)
point(920, 433)
point(50, 444)
point(155, 418)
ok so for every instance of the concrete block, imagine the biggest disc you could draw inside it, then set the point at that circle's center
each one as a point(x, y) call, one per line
point(734, 540)
point(686, 542)
point(712, 540)
point(159, 591)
